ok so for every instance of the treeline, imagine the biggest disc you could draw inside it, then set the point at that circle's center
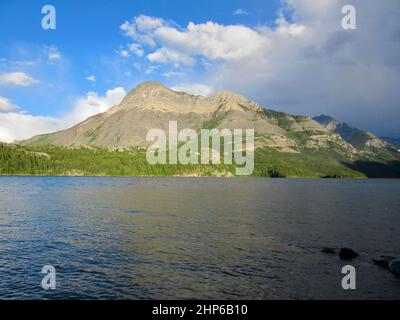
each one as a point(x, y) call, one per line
point(50, 160)
point(17, 160)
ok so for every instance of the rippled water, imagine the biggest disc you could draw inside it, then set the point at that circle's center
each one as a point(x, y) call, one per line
point(171, 238)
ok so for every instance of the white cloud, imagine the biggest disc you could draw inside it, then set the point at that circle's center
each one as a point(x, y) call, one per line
point(141, 29)
point(165, 55)
point(170, 74)
point(91, 78)
point(241, 12)
point(52, 53)
point(136, 49)
point(146, 23)
point(20, 126)
point(312, 66)
point(293, 29)
point(93, 104)
point(6, 105)
point(151, 69)
point(17, 78)
point(180, 46)
point(211, 40)
point(194, 88)
point(304, 64)
point(124, 53)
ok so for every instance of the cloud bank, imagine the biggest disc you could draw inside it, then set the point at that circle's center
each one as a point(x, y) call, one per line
point(304, 64)
point(20, 126)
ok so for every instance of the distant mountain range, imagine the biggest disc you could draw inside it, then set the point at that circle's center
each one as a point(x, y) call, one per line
point(362, 140)
point(395, 142)
point(289, 137)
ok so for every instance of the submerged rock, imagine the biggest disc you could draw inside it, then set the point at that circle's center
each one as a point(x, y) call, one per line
point(383, 261)
point(394, 266)
point(347, 254)
point(328, 250)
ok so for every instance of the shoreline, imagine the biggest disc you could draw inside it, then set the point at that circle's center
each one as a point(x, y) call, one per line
point(192, 177)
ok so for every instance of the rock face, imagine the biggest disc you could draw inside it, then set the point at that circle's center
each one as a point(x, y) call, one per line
point(151, 105)
point(393, 141)
point(359, 139)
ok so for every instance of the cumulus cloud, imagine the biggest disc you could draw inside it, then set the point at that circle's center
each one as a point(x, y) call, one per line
point(136, 49)
point(211, 40)
point(124, 53)
point(52, 53)
point(92, 104)
point(180, 46)
point(17, 79)
point(91, 78)
point(165, 55)
point(19, 126)
point(304, 64)
point(141, 29)
point(241, 12)
point(6, 105)
point(312, 66)
point(194, 88)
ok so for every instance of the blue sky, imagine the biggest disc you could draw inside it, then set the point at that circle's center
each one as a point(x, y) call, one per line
point(88, 38)
point(289, 55)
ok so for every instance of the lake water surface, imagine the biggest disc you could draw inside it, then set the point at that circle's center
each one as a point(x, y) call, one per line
point(176, 238)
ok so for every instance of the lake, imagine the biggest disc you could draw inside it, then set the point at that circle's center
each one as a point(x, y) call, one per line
point(183, 238)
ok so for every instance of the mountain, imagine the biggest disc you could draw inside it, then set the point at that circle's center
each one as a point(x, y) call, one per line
point(359, 139)
point(393, 141)
point(286, 145)
point(151, 105)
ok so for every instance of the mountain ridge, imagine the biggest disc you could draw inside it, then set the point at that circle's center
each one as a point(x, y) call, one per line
point(360, 139)
point(151, 106)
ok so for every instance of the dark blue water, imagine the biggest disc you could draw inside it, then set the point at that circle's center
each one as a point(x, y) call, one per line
point(173, 238)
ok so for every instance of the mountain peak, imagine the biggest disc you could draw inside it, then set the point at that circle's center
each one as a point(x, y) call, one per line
point(149, 88)
point(324, 119)
point(227, 96)
point(145, 91)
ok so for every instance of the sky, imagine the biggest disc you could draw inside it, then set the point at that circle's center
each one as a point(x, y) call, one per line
point(288, 55)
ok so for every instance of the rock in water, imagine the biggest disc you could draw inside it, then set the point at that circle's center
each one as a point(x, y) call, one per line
point(328, 250)
point(394, 266)
point(347, 254)
point(383, 261)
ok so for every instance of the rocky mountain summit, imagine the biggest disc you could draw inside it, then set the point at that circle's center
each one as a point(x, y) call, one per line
point(359, 139)
point(114, 142)
point(151, 105)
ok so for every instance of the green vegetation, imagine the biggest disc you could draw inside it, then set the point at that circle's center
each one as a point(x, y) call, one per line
point(311, 164)
point(50, 160)
point(308, 163)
